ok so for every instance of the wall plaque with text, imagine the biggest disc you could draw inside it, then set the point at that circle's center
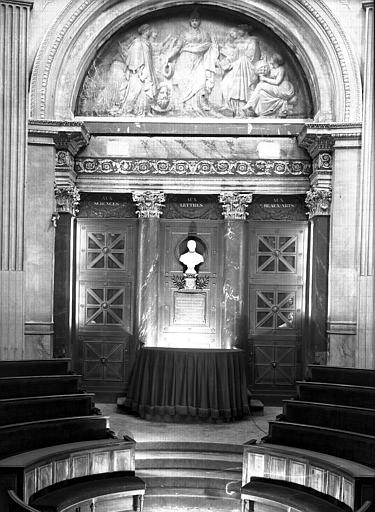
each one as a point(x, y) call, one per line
point(189, 308)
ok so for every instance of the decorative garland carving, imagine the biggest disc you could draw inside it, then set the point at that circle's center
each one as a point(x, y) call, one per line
point(318, 202)
point(149, 204)
point(235, 204)
point(185, 167)
point(67, 199)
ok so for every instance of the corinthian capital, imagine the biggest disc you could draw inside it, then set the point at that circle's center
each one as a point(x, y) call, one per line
point(318, 201)
point(67, 199)
point(234, 204)
point(149, 204)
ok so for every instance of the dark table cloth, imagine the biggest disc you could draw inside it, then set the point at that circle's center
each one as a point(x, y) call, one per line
point(195, 383)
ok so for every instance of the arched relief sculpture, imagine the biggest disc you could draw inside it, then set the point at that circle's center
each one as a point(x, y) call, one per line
point(204, 66)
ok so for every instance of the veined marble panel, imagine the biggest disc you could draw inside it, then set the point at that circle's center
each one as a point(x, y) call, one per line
point(196, 148)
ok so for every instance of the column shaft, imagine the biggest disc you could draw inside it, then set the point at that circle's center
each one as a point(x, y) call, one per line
point(148, 280)
point(14, 18)
point(234, 284)
point(316, 351)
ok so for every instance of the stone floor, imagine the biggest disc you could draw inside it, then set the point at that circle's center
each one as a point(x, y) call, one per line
point(236, 432)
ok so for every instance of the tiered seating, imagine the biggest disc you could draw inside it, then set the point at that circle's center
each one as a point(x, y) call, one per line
point(51, 436)
point(324, 441)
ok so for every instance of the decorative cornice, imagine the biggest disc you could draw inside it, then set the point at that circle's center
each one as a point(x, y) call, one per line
point(318, 202)
point(68, 135)
point(149, 204)
point(71, 141)
point(193, 167)
point(367, 4)
point(235, 204)
point(19, 3)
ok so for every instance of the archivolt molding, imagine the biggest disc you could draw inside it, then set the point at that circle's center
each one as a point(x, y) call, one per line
point(321, 26)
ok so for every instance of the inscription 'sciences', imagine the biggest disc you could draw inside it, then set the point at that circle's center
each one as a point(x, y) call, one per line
point(189, 308)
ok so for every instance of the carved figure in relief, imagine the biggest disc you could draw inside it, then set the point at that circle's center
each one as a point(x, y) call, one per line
point(141, 81)
point(192, 66)
point(191, 258)
point(240, 53)
point(274, 95)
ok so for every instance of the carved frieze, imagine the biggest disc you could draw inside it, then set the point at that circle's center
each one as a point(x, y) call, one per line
point(193, 167)
point(149, 204)
point(67, 199)
point(195, 64)
point(318, 201)
point(235, 204)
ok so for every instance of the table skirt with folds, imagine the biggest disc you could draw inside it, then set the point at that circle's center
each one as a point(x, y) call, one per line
point(195, 383)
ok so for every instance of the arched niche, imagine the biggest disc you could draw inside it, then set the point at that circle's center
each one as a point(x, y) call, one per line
point(309, 31)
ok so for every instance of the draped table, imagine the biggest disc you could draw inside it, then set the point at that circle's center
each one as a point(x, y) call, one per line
point(177, 384)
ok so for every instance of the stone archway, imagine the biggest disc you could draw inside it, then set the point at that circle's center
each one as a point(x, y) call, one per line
point(308, 28)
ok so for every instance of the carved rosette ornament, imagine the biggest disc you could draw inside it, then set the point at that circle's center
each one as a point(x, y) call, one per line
point(149, 204)
point(318, 202)
point(235, 204)
point(67, 199)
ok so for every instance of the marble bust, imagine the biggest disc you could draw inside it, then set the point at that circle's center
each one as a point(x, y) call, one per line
point(191, 258)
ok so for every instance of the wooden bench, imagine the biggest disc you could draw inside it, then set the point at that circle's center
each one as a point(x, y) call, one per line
point(20, 437)
point(342, 417)
point(39, 385)
point(88, 492)
point(340, 375)
point(282, 495)
point(347, 481)
point(339, 394)
point(29, 472)
point(34, 367)
point(347, 445)
point(20, 410)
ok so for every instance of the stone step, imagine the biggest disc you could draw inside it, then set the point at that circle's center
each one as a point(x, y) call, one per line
point(223, 481)
point(190, 503)
point(182, 447)
point(178, 463)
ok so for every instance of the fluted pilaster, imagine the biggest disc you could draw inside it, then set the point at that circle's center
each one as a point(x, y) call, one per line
point(14, 18)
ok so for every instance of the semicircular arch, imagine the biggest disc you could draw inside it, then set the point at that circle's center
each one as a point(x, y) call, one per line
point(308, 28)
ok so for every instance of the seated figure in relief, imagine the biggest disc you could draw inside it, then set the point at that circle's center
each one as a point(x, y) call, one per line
point(191, 258)
point(274, 94)
point(240, 53)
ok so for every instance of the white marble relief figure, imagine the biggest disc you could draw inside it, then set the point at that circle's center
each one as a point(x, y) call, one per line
point(274, 95)
point(191, 258)
point(240, 53)
point(192, 65)
point(140, 77)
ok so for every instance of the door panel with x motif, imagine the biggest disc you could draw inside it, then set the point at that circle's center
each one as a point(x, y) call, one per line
point(105, 301)
point(276, 302)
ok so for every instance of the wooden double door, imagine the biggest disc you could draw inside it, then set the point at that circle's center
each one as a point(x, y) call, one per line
point(106, 271)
